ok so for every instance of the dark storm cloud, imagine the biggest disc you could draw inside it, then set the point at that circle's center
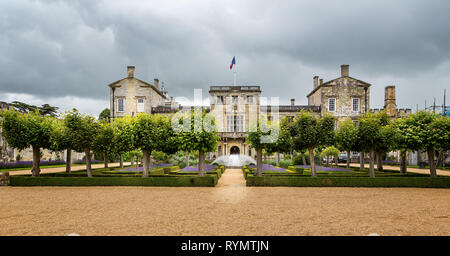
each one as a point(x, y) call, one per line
point(76, 48)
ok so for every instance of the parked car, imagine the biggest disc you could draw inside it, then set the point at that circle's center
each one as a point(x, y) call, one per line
point(342, 158)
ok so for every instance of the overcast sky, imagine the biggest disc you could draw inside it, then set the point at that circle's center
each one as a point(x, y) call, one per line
point(65, 53)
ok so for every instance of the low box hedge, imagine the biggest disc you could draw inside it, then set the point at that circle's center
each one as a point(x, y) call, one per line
point(298, 181)
point(167, 181)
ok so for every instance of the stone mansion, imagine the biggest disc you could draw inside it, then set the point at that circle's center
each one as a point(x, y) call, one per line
point(231, 106)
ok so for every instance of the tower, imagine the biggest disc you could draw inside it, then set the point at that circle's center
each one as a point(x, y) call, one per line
point(390, 106)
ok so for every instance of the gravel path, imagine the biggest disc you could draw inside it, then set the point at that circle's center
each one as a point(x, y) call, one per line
point(228, 209)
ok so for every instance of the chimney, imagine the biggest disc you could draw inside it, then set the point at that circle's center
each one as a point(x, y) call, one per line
point(130, 70)
point(390, 105)
point(316, 82)
point(320, 81)
point(345, 70)
point(156, 83)
point(292, 102)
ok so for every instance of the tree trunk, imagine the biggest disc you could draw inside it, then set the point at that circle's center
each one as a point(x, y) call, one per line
point(419, 158)
point(431, 161)
point(259, 162)
point(403, 165)
point(201, 163)
point(372, 163)
point(311, 161)
point(132, 160)
point(348, 158)
point(105, 159)
point(361, 160)
point(187, 158)
point(336, 160)
point(278, 159)
point(440, 158)
point(304, 158)
point(145, 157)
point(36, 170)
point(87, 151)
point(380, 161)
point(68, 159)
point(328, 161)
point(121, 161)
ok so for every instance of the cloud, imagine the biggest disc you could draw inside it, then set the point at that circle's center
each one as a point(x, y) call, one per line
point(58, 49)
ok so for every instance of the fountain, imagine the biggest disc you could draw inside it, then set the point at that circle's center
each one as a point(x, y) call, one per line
point(234, 160)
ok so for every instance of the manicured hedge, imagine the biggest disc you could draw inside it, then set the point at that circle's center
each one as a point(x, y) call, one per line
point(297, 181)
point(167, 181)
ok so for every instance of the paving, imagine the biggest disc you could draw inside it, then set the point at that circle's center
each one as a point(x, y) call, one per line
point(230, 208)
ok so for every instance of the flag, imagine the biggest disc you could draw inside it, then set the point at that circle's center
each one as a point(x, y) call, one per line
point(233, 62)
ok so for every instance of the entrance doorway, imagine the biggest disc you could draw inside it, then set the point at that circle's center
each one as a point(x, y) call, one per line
point(235, 150)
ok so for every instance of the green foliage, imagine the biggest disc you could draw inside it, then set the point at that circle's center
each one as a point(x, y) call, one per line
point(104, 115)
point(83, 129)
point(347, 135)
point(24, 130)
point(104, 141)
point(310, 131)
point(330, 151)
point(124, 134)
point(164, 181)
point(284, 142)
point(196, 134)
point(293, 181)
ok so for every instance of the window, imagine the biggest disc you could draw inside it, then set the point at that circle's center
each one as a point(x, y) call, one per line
point(355, 102)
point(235, 124)
point(120, 105)
point(235, 99)
point(220, 150)
point(332, 104)
point(249, 99)
point(355, 123)
point(140, 105)
point(219, 99)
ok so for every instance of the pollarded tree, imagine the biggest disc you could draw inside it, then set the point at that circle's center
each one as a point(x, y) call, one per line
point(153, 133)
point(347, 137)
point(63, 139)
point(310, 131)
point(104, 115)
point(24, 130)
point(284, 141)
point(104, 141)
point(196, 131)
point(84, 129)
point(124, 136)
point(425, 131)
point(330, 151)
point(260, 134)
point(371, 135)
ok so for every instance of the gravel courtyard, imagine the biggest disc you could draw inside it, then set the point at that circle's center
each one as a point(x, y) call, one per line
point(228, 209)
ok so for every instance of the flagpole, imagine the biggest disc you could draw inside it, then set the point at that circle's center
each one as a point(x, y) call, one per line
point(234, 77)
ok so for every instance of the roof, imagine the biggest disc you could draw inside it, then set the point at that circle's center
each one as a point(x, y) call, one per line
point(228, 88)
point(145, 83)
point(290, 108)
point(364, 84)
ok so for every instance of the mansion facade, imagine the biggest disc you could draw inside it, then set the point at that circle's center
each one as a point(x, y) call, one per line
point(232, 106)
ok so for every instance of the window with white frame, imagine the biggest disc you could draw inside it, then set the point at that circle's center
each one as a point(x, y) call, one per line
point(332, 104)
point(249, 99)
point(235, 124)
point(235, 99)
point(355, 123)
point(355, 104)
point(140, 105)
point(120, 104)
point(219, 99)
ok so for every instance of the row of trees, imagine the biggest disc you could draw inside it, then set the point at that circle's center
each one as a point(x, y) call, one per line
point(375, 134)
point(83, 133)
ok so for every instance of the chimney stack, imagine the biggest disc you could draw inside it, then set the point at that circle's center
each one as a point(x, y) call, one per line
point(345, 70)
point(292, 102)
point(130, 70)
point(320, 81)
point(316, 82)
point(156, 83)
point(390, 105)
